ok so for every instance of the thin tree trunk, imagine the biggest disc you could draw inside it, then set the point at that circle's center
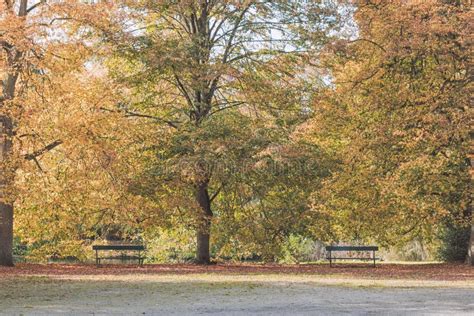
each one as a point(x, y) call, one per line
point(204, 229)
point(470, 255)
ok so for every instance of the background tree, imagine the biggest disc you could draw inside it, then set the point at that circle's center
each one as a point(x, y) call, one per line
point(398, 121)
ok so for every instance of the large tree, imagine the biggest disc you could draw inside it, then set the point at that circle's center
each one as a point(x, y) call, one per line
point(216, 77)
point(35, 46)
point(398, 120)
point(15, 55)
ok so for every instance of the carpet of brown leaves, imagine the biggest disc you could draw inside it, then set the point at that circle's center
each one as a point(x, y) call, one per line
point(444, 272)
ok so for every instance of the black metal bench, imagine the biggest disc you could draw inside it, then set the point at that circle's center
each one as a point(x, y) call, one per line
point(123, 249)
point(369, 249)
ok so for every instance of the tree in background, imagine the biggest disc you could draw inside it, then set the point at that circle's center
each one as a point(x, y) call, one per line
point(398, 119)
point(222, 81)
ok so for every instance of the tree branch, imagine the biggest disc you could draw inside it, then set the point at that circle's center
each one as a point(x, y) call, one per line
point(43, 150)
point(134, 114)
point(34, 6)
point(128, 113)
point(232, 35)
point(368, 41)
point(216, 193)
point(23, 9)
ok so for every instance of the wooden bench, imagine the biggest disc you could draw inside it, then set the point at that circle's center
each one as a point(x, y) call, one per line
point(123, 249)
point(370, 249)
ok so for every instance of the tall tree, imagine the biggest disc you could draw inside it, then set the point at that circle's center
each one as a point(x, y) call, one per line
point(14, 45)
point(214, 75)
point(33, 37)
point(398, 121)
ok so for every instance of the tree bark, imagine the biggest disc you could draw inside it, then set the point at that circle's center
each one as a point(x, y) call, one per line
point(6, 203)
point(203, 255)
point(6, 234)
point(203, 233)
point(470, 250)
point(7, 170)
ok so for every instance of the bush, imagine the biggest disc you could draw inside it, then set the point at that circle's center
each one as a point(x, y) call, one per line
point(165, 246)
point(454, 242)
point(20, 250)
point(298, 249)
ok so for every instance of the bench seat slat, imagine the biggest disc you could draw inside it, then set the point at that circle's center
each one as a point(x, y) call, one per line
point(120, 257)
point(353, 258)
point(119, 247)
point(352, 248)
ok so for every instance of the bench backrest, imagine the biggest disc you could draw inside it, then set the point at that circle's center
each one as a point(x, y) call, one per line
point(352, 248)
point(118, 247)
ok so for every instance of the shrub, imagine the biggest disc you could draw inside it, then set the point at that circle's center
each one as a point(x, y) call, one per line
point(454, 242)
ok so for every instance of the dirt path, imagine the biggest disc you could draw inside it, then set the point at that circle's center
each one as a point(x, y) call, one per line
point(226, 295)
point(225, 289)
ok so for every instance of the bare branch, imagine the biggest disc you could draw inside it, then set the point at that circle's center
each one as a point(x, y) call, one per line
point(34, 6)
point(135, 114)
point(368, 41)
point(183, 90)
point(43, 150)
point(216, 193)
point(232, 35)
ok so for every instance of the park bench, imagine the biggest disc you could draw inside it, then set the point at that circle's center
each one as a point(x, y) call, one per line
point(123, 249)
point(346, 249)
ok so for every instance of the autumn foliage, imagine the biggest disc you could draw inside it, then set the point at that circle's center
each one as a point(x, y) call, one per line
point(232, 129)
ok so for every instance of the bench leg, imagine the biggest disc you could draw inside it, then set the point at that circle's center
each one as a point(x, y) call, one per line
point(373, 253)
point(97, 262)
point(330, 259)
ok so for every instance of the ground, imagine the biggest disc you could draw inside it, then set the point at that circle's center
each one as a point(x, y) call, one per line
point(237, 290)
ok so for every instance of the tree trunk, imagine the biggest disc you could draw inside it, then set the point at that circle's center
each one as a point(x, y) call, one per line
point(6, 234)
point(203, 251)
point(470, 255)
point(204, 229)
point(470, 249)
point(7, 170)
point(6, 203)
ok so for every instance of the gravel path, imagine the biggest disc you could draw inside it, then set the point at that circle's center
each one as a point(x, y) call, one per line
point(45, 296)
